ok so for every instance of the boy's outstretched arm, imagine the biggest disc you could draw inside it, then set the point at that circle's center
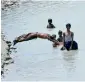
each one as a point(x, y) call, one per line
point(54, 41)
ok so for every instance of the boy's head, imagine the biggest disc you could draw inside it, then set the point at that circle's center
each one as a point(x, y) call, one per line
point(49, 20)
point(53, 36)
point(68, 26)
point(60, 33)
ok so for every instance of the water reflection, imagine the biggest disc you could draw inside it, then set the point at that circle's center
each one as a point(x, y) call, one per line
point(70, 58)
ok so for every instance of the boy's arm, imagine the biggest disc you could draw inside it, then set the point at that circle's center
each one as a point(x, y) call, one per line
point(63, 39)
point(53, 40)
point(53, 26)
point(72, 35)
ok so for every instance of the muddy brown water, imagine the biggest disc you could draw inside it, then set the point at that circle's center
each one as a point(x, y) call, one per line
point(37, 59)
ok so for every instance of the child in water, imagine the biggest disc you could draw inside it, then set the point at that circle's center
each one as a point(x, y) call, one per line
point(68, 38)
point(60, 38)
point(50, 25)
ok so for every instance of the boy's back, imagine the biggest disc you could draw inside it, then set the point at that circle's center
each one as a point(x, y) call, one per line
point(50, 26)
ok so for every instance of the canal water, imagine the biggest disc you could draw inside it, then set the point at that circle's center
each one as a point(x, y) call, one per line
point(37, 60)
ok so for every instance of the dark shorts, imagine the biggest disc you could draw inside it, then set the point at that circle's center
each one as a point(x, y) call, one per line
point(68, 44)
point(32, 37)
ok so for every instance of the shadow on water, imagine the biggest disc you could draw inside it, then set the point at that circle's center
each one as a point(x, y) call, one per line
point(70, 58)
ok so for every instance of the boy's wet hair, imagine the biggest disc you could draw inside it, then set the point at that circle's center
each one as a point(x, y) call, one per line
point(60, 32)
point(50, 20)
point(68, 25)
point(53, 36)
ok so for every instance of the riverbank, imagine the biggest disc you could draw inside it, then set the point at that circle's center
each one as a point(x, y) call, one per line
point(8, 3)
point(5, 54)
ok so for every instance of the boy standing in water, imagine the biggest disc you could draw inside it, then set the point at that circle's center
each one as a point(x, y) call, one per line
point(60, 39)
point(68, 41)
point(50, 25)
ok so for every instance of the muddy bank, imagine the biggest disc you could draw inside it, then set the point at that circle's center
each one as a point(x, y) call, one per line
point(8, 3)
point(5, 54)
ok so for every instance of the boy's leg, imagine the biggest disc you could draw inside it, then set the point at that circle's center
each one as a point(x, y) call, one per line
point(67, 45)
point(19, 39)
point(25, 39)
point(27, 35)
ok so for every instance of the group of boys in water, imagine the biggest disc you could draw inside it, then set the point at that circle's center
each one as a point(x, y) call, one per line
point(65, 38)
